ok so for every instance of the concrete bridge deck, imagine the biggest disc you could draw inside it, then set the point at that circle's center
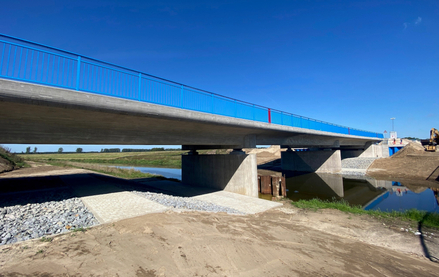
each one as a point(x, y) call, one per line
point(31, 113)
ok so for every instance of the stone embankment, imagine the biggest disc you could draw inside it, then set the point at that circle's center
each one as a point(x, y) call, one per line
point(356, 166)
point(26, 216)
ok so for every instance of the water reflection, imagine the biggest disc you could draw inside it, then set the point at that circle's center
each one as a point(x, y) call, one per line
point(367, 192)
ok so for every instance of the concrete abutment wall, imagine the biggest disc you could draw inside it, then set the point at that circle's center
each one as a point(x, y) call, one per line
point(233, 172)
point(373, 151)
point(325, 161)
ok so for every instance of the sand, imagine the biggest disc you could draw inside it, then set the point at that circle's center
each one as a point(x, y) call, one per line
point(280, 242)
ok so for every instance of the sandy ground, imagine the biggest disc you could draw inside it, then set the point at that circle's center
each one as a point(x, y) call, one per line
point(280, 242)
point(274, 243)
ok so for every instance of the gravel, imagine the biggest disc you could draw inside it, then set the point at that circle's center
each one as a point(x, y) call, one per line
point(26, 216)
point(187, 203)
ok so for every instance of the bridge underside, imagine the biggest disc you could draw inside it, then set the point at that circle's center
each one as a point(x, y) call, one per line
point(36, 114)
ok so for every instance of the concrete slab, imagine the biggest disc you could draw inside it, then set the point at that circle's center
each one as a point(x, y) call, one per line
point(107, 202)
point(110, 200)
point(120, 205)
point(242, 203)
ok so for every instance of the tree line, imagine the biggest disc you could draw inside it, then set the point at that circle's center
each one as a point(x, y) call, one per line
point(107, 150)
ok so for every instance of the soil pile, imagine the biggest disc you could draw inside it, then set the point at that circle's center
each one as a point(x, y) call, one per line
point(410, 162)
point(266, 155)
point(410, 149)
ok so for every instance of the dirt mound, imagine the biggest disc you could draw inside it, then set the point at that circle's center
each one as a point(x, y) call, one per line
point(411, 162)
point(5, 165)
point(411, 148)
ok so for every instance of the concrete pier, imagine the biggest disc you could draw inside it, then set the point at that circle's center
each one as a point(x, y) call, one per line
point(325, 161)
point(235, 172)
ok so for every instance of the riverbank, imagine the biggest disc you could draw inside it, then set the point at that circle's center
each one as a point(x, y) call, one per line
point(284, 241)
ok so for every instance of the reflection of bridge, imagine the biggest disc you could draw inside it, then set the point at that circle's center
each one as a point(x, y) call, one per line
point(51, 96)
point(329, 186)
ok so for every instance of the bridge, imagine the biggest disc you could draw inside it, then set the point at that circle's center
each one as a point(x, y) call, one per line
point(51, 96)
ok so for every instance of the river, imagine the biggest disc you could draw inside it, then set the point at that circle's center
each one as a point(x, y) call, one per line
point(369, 193)
point(163, 171)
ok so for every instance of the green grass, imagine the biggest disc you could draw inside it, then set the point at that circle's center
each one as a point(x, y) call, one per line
point(171, 159)
point(44, 239)
point(113, 171)
point(427, 219)
point(80, 229)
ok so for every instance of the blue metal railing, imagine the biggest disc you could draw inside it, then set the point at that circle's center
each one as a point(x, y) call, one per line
point(31, 62)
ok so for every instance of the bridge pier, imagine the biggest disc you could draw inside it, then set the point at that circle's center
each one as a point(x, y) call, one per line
point(235, 172)
point(325, 161)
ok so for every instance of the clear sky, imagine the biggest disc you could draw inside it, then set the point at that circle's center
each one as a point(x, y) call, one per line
point(353, 63)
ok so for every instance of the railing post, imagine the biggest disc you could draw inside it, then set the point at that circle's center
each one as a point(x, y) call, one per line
point(269, 115)
point(78, 72)
point(349, 131)
point(181, 96)
point(3, 53)
point(212, 102)
point(140, 86)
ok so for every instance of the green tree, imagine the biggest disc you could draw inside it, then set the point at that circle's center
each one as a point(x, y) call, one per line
point(35, 150)
point(28, 150)
point(78, 150)
point(60, 150)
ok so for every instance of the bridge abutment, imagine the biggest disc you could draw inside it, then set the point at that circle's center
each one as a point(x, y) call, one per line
point(325, 161)
point(235, 172)
point(370, 151)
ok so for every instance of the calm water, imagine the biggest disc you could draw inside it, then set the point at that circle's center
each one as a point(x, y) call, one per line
point(369, 193)
point(165, 172)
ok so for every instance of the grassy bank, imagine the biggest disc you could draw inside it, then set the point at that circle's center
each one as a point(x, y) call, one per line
point(113, 171)
point(171, 159)
point(12, 159)
point(425, 218)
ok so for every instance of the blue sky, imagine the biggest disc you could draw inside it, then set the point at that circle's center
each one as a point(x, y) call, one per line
point(354, 63)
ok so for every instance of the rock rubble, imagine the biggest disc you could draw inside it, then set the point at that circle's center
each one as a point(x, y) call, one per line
point(33, 215)
point(186, 203)
point(357, 163)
